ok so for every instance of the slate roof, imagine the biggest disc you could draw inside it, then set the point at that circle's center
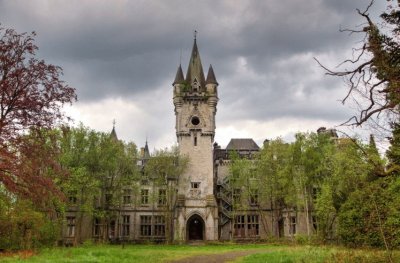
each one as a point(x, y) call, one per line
point(243, 144)
point(195, 69)
point(179, 76)
point(114, 134)
point(146, 151)
point(211, 76)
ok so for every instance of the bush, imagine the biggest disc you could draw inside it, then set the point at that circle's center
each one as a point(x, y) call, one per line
point(368, 213)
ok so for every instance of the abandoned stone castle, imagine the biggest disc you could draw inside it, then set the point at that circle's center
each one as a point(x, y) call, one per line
point(203, 205)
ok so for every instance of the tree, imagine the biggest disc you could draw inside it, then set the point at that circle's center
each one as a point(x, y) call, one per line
point(164, 169)
point(276, 185)
point(31, 97)
point(100, 168)
point(373, 74)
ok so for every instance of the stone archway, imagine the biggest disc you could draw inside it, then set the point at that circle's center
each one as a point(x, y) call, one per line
point(195, 228)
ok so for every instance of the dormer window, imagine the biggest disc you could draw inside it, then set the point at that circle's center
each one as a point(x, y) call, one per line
point(195, 85)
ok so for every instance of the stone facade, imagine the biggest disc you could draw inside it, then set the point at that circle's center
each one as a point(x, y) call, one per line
point(195, 100)
point(202, 202)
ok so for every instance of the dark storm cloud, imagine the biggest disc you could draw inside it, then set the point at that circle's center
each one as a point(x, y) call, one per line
point(127, 48)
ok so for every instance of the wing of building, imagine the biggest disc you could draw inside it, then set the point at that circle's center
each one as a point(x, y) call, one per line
point(203, 202)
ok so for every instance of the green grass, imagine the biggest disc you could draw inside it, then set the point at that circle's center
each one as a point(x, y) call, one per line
point(131, 253)
point(315, 254)
point(166, 253)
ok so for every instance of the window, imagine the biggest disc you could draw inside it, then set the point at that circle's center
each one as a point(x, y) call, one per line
point(236, 196)
point(246, 226)
point(111, 230)
point(254, 197)
point(145, 225)
point(195, 185)
point(96, 227)
point(162, 197)
point(252, 225)
point(144, 197)
point(108, 199)
point(125, 225)
point(292, 225)
point(152, 226)
point(159, 226)
point(72, 197)
point(127, 197)
point(239, 226)
point(314, 222)
point(195, 85)
point(314, 193)
point(70, 226)
point(195, 141)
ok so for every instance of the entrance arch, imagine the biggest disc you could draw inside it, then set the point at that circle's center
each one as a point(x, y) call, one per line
point(195, 228)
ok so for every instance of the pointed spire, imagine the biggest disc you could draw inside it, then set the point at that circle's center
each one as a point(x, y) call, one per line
point(195, 69)
point(113, 132)
point(146, 154)
point(211, 76)
point(179, 76)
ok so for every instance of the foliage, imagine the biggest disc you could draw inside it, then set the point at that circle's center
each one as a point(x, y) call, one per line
point(31, 97)
point(164, 169)
point(100, 167)
point(22, 227)
point(371, 216)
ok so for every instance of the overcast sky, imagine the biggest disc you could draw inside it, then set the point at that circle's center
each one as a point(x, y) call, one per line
point(121, 57)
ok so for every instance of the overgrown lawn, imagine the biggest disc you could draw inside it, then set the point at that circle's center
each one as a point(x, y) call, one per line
point(168, 253)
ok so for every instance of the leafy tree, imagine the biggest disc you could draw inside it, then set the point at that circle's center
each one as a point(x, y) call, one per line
point(164, 169)
point(276, 184)
point(31, 97)
point(371, 216)
point(101, 168)
point(393, 153)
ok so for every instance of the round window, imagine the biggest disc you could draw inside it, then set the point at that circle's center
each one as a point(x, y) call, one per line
point(195, 120)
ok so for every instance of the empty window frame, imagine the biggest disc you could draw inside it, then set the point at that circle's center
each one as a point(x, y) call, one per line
point(159, 226)
point(292, 225)
point(71, 226)
point(125, 225)
point(144, 200)
point(127, 197)
point(253, 226)
point(162, 197)
point(195, 185)
point(145, 226)
point(239, 226)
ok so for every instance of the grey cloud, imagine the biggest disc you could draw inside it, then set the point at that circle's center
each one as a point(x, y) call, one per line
point(132, 48)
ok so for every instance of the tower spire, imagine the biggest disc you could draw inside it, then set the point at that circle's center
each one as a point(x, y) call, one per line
point(195, 69)
point(113, 132)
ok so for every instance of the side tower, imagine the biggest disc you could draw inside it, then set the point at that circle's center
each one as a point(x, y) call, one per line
point(195, 99)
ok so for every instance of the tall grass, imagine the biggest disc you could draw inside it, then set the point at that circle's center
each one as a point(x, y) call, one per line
point(168, 253)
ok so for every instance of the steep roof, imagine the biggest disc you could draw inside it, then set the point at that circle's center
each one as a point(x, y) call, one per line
point(146, 154)
point(243, 144)
point(195, 69)
point(179, 76)
point(114, 133)
point(211, 76)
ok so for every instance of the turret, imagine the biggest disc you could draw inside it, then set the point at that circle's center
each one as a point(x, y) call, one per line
point(178, 82)
point(211, 82)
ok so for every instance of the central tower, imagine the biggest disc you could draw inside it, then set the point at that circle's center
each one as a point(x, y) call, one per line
point(195, 98)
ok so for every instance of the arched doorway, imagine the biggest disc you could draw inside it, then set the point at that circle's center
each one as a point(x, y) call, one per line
point(195, 228)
